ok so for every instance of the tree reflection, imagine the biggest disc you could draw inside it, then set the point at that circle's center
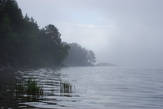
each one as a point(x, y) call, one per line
point(7, 89)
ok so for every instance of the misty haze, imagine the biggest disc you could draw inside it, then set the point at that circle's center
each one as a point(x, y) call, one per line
point(81, 54)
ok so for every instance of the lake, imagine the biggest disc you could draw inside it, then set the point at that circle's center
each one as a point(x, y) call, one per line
point(95, 88)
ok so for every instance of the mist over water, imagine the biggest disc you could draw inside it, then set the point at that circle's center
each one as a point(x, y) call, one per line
point(127, 33)
point(81, 54)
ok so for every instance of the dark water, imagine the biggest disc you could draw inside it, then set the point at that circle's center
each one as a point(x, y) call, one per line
point(96, 88)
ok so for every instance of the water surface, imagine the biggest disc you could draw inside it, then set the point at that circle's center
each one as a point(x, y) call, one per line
point(97, 88)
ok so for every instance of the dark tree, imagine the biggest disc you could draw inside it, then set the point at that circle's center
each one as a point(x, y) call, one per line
point(22, 43)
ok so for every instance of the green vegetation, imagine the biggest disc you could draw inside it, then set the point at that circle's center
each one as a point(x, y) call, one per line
point(29, 87)
point(33, 88)
point(23, 43)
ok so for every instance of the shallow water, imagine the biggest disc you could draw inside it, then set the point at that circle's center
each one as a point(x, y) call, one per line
point(96, 88)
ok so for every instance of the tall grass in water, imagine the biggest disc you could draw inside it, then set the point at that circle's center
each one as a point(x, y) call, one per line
point(30, 88)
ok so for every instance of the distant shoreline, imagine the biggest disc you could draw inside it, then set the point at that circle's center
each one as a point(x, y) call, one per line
point(105, 64)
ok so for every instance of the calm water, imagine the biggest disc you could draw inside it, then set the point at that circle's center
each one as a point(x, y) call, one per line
point(97, 88)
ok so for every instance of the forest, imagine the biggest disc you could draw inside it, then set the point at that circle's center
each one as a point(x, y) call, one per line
point(24, 43)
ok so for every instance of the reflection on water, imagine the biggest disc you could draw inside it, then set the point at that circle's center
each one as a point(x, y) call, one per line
point(53, 87)
point(7, 88)
point(86, 88)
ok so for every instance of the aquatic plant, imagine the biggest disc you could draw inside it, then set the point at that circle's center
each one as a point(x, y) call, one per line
point(32, 88)
point(65, 87)
point(29, 87)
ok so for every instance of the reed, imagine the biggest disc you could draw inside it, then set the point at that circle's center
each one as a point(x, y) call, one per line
point(29, 87)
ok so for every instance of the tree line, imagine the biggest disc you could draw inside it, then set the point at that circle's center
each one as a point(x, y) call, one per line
point(23, 43)
point(79, 56)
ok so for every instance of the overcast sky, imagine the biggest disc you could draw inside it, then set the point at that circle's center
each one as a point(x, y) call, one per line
point(123, 32)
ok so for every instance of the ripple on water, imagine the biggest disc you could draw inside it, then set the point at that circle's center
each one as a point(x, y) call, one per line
point(97, 88)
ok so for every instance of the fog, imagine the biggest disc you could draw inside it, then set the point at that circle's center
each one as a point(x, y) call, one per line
point(122, 32)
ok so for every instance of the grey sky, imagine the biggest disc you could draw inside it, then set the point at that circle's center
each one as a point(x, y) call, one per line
point(123, 32)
